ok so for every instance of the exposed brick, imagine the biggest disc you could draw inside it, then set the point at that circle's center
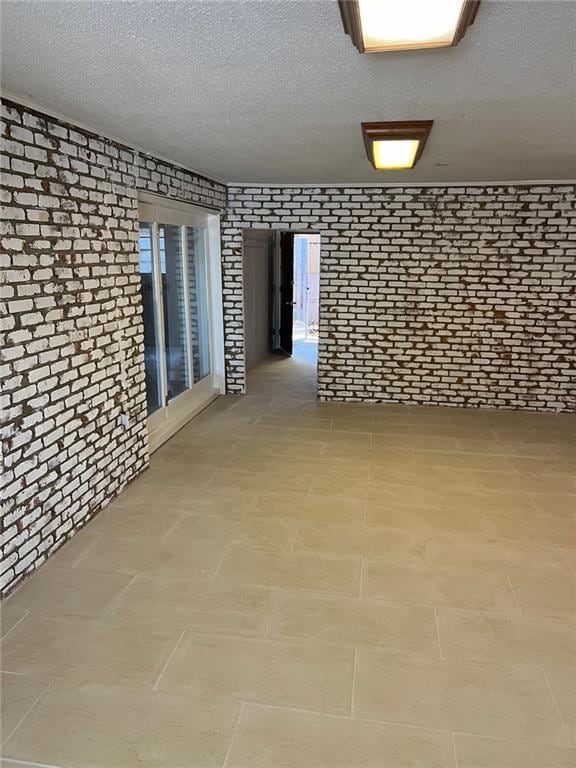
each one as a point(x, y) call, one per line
point(459, 296)
point(73, 292)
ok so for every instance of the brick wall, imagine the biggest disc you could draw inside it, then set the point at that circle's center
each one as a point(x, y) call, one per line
point(460, 296)
point(72, 357)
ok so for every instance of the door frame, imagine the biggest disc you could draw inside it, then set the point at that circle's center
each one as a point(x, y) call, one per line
point(171, 417)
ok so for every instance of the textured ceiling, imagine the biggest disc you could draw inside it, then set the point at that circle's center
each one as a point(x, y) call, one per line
point(273, 91)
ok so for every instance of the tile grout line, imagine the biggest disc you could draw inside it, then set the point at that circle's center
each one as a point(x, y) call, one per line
point(10, 672)
point(172, 527)
point(115, 600)
point(227, 549)
point(362, 575)
point(516, 603)
point(156, 684)
point(397, 723)
point(442, 657)
point(28, 711)
point(232, 737)
point(27, 763)
point(88, 550)
point(271, 615)
point(353, 692)
point(455, 751)
point(15, 625)
point(298, 529)
point(557, 708)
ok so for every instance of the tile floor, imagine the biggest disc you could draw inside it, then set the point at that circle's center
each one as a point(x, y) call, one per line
point(304, 585)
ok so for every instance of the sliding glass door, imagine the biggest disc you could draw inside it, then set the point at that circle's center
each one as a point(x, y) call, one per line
point(180, 285)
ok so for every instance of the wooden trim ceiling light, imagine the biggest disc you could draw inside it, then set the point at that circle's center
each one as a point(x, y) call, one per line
point(395, 146)
point(404, 25)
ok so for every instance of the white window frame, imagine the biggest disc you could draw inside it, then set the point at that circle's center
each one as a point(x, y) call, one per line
point(173, 415)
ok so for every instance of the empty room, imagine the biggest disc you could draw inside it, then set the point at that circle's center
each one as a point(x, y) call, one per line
point(288, 384)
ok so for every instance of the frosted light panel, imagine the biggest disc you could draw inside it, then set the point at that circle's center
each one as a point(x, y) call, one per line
point(405, 24)
point(393, 154)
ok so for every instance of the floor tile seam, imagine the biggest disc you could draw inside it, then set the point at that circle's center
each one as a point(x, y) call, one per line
point(115, 600)
point(571, 742)
point(89, 549)
point(353, 686)
point(399, 724)
point(21, 619)
point(438, 637)
point(270, 618)
point(454, 748)
point(27, 763)
point(233, 735)
point(219, 562)
point(566, 558)
point(299, 527)
point(28, 711)
point(170, 657)
point(514, 595)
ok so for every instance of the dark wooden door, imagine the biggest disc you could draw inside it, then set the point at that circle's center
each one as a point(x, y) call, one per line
point(286, 291)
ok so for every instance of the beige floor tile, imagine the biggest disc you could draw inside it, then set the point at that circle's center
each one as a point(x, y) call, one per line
point(168, 495)
point(135, 522)
point(337, 574)
point(353, 622)
point(88, 651)
point(326, 469)
point(459, 550)
point(562, 504)
point(304, 507)
point(533, 641)
point(563, 686)
point(19, 693)
point(281, 738)
point(262, 533)
point(301, 422)
point(478, 752)
point(190, 559)
point(76, 547)
point(542, 465)
point(422, 585)
point(427, 520)
point(224, 669)
point(277, 448)
point(527, 481)
point(55, 591)
point(507, 448)
point(194, 605)
point(432, 478)
point(459, 460)
point(184, 471)
point(10, 615)
point(329, 437)
point(232, 480)
point(534, 527)
point(545, 594)
point(113, 727)
point(274, 541)
point(356, 538)
point(476, 699)
point(416, 443)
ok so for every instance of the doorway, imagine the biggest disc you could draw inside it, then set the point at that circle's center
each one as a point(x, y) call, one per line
point(297, 296)
point(182, 312)
point(281, 280)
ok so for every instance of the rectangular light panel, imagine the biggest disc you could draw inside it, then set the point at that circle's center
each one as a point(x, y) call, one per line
point(395, 153)
point(407, 24)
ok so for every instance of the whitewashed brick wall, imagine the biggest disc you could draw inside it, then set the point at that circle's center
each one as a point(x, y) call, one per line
point(462, 296)
point(72, 357)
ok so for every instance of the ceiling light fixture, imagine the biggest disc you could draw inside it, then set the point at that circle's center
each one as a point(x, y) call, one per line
point(395, 146)
point(404, 25)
